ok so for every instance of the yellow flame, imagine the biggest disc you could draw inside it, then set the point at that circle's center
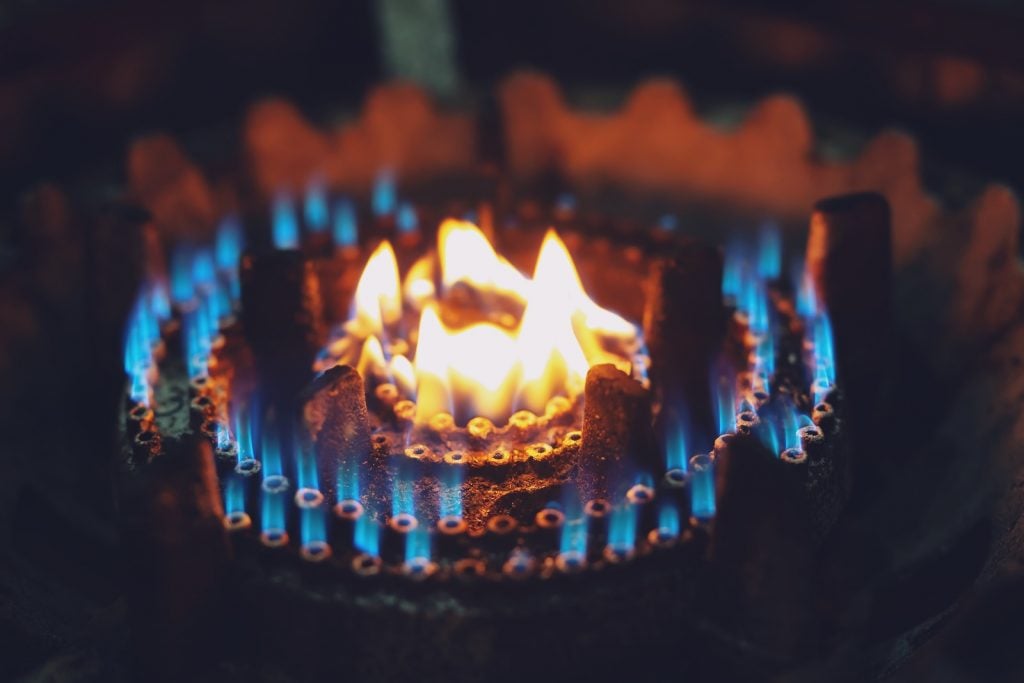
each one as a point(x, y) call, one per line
point(418, 287)
point(467, 256)
point(433, 394)
point(403, 374)
point(378, 298)
point(552, 359)
point(551, 331)
point(371, 358)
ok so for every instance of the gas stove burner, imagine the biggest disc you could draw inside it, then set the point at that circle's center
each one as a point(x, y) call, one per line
point(338, 347)
point(465, 420)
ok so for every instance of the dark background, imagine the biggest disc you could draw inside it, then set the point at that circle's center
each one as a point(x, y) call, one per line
point(79, 78)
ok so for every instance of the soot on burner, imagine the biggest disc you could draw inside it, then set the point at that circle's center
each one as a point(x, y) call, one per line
point(389, 417)
point(464, 419)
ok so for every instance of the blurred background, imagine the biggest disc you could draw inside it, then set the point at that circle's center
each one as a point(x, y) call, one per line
point(79, 78)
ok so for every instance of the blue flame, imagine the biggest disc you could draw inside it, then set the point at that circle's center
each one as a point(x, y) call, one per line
point(255, 419)
point(316, 205)
point(573, 536)
point(769, 252)
point(385, 194)
point(204, 273)
point(790, 425)
point(234, 495)
point(241, 425)
point(755, 304)
point(734, 271)
point(219, 306)
point(140, 389)
point(765, 351)
point(702, 487)
point(367, 535)
point(272, 511)
point(668, 518)
point(182, 286)
point(823, 355)
point(725, 400)
point(270, 455)
point(417, 544)
point(284, 223)
point(223, 435)
point(142, 331)
point(313, 525)
point(306, 472)
point(744, 286)
point(669, 222)
point(806, 298)
point(639, 364)
point(200, 325)
point(769, 435)
point(403, 494)
point(148, 321)
point(196, 329)
point(801, 422)
point(677, 453)
point(346, 226)
point(159, 300)
point(407, 220)
point(824, 349)
point(821, 386)
point(229, 243)
point(471, 216)
point(211, 307)
point(622, 528)
point(228, 253)
point(451, 492)
point(224, 295)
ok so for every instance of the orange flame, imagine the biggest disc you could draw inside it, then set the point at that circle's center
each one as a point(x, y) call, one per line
point(550, 331)
point(552, 358)
point(378, 297)
point(467, 256)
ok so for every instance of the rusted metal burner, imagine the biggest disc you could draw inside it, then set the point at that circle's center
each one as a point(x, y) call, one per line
point(455, 410)
point(469, 412)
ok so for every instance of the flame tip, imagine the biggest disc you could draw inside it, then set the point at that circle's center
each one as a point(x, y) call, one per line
point(532, 355)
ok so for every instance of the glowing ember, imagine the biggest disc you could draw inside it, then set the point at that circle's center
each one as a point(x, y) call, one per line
point(483, 338)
